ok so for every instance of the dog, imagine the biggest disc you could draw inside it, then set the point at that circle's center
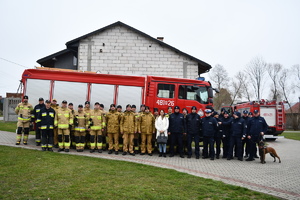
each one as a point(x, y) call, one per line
point(263, 150)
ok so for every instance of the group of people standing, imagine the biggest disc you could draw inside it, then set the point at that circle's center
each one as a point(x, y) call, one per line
point(132, 132)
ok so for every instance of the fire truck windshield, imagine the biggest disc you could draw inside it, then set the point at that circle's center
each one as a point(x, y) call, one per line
point(197, 93)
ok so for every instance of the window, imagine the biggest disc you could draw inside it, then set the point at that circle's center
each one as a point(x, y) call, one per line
point(165, 91)
point(196, 93)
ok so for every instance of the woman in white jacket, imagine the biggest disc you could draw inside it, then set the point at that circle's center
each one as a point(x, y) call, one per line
point(162, 125)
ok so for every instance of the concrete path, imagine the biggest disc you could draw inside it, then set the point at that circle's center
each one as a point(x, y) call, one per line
point(278, 179)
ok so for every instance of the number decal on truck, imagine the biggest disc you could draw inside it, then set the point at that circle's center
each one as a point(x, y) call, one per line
point(165, 102)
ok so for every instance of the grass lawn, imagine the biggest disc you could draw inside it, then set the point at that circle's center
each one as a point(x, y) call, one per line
point(295, 135)
point(32, 174)
point(10, 127)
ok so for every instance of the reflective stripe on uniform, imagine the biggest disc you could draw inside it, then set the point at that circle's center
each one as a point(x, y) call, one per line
point(63, 126)
point(96, 127)
point(79, 128)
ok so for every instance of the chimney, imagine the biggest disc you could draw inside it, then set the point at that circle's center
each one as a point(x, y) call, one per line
point(160, 38)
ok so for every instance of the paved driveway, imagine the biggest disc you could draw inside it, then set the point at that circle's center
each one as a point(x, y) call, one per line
point(278, 179)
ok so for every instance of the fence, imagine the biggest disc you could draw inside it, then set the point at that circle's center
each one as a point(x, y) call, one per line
point(9, 109)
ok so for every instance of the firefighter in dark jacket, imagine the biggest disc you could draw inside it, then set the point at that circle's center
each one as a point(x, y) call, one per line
point(238, 133)
point(256, 129)
point(209, 129)
point(226, 126)
point(177, 127)
point(45, 123)
point(193, 125)
point(35, 112)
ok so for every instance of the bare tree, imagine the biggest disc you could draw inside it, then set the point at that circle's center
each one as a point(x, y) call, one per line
point(256, 70)
point(296, 71)
point(237, 86)
point(273, 71)
point(223, 98)
point(246, 91)
point(287, 89)
point(219, 76)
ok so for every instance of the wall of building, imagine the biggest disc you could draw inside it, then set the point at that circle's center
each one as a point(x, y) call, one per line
point(65, 61)
point(121, 51)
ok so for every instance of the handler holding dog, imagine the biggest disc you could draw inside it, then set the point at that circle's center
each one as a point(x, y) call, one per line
point(256, 129)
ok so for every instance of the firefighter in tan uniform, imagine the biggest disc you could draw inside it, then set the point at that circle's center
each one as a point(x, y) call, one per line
point(119, 110)
point(155, 114)
point(63, 121)
point(113, 119)
point(23, 110)
point(104, 132)
point(55, 107)
point(136, 139)
point(72, 130)
point(146, 129)
point(97, 125)
point(87, 111)
point(81, 125)
point(128, 129)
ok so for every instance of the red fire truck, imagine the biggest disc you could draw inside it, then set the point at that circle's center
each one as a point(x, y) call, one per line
point(272, 111)
point(78, 87)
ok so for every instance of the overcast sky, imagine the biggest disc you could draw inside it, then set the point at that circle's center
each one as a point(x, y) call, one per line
point(230, 32)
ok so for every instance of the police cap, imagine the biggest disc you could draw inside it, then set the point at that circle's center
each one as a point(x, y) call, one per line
point(207, 110)
point(176, 107)
point(80, 106)
point(133, 106)
point(25, 97)
point(41, 99)
point(64, 101)
point(194, 108)
point(70, 104)
point(87, 102)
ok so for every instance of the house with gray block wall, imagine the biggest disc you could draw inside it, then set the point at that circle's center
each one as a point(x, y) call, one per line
point(121, 49)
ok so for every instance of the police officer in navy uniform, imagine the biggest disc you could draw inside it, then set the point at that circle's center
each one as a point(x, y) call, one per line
point(218, 135)
point(245, 142)
point(177, 127)
point(238, 133)
point(226, 126)
point(209, 129)
point(256, 129)
point(193, 125)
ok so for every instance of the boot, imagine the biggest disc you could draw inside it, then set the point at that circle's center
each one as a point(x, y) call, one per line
point(164, 155)
point(160, 155)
